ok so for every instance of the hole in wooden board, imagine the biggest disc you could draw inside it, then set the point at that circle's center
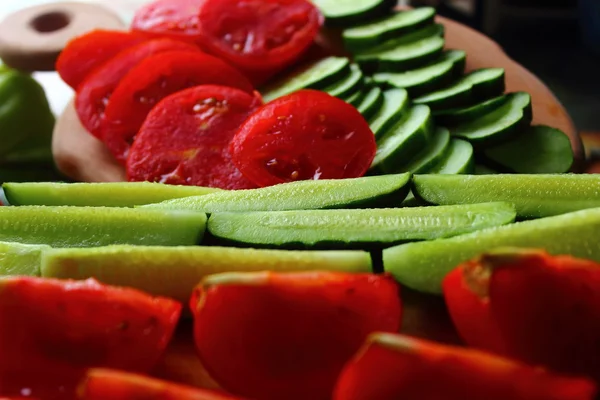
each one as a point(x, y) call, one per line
point(51, 21)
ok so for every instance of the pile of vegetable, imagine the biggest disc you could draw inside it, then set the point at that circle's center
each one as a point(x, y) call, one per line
point(298, 282)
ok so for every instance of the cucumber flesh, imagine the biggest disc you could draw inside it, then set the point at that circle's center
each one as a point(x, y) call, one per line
point(99, 226)
point(351, 84)
point(117, 194)
point(422, 266)
point(533, 195)
point(380, 30)
point(20, 259)
point(411, 51)
point(349, 12)
point(508, 119)
point(461, 115)
point(315, 75)
point(539, 150)
point(431, 155)
point(175, 271)
point(459, 159)
point(426, 79)
point(399, 144)
point(371, 103)
point(356, 228)
point(356, 98)
point(395, 102)
point(373, 191)
point(475, 87)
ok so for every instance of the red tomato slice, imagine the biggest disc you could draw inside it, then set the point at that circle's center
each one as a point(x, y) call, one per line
point(392, 367)
point(185, 138)
point(305, 135)
point(287, 336)
point(258, 34)
point(153, 79)
point(51, 331)
point(85, 53)
point(104, 384)
point(176, 18)
point(94, 92)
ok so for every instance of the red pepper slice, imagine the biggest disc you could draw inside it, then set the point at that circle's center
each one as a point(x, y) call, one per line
point(153, 79)
point(104, 384)
point(304, 135)
point(544, 309)
point(258, 34)
point(174, 18)
point(185, 138)
point(279, 336)
point(94, 92)
point(87, 52)
point(51, 331)
point(392, 367)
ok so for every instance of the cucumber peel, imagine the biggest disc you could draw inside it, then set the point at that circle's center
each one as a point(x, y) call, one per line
point(458, 159)
point(395, 102)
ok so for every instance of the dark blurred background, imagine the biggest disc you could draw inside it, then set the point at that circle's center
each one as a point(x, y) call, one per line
point(558, 40)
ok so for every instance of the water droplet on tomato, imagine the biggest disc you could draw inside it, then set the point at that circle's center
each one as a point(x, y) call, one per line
point(272, 162)
point(294, 175)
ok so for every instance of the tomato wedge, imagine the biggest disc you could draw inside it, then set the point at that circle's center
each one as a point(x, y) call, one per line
point(392, 367)
point(175, 18)
point(153, 79)
point(279, 336)
point(258, 34)
point(104, 384)
point(94, 92)
point(545, 309)
point(304, 135)
point(52, 330)
point(185, 138)
point(87, 52)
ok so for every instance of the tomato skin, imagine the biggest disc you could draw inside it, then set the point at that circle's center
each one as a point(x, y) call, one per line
point(185, 138)
point(87, 52)
point(94, 92)
point(286, 336)
point(391, 367)
point(258, 35)
point(52, 330)
point(153, 79)
point(305, 135)
point(103, 384)
point(175, 18)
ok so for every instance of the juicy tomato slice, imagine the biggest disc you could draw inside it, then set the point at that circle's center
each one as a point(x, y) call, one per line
point(52, 330)
point(304, 135)
point(153, 79)
point(185, 138)
point(87, 52)
point(287, 336)
point(104, 384)
point(94, 92)
point(258, 34)
point(391, 367)
point(175, 18)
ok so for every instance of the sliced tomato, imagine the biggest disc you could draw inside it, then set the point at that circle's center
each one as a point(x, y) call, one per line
point(176, 18)
point(185, 138)
point(258, 34)
point(87, 52)
point(391, 367)
point(51, 331)
point(94, 92)
point(104, 384)
point(304, 135)
point(153, 79)
point(287, 336)
point(545, 309)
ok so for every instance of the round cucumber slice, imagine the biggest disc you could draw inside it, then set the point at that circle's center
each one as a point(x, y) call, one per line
point(459, 159)
point(374, 99)
point(432, 154)
point(508, 119)
point(378, 31)
point(356, 98)
point(428, 78)
point(538, 150)
point(461, 115)
point(408, 137)
point(316, 75)
point(351, 84)
point(349, 12)
point(395, 102)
